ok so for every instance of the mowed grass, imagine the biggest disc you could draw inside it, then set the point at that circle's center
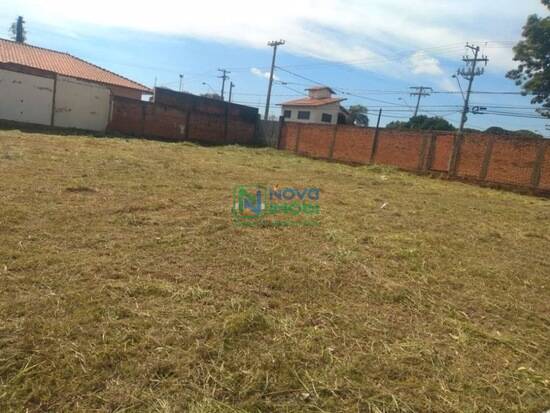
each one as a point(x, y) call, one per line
point(125, 286)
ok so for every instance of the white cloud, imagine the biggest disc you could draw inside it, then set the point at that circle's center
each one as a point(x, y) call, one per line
point(260, 73)
point(369, 35)
point(422, 64)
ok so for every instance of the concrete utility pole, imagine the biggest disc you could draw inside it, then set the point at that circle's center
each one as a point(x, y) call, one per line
point(420, 91)
point(181, 83)
point(231, 86)
point(469, 73)
point(224, 77)
point(275, 45)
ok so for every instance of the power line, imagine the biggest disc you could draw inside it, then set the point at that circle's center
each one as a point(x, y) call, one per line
point(347, 91)
point(299, 76)
point(272, 95)
point(336, 88)
point(474, 92)
point(293, 90)
point(512, 114)
point(397, 55)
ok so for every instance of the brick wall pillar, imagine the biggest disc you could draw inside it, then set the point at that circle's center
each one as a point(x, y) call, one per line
point(281, 130)
point(333, 143)
point(431, 152)
point(424, 152)
point(487, 158)
point(455, 155)
point(537, 166)
point(298, 138)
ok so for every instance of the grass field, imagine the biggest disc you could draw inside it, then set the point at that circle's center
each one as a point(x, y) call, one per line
point(125, 286)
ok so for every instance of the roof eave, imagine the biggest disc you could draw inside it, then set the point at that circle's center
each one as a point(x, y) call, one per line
point(292, 103)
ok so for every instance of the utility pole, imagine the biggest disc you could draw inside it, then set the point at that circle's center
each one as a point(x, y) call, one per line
point(420, 91)
point(224, 77)
point(469, 73)
point(18, 30)
point(181, 83)
point(231, 86)
point(275, 45)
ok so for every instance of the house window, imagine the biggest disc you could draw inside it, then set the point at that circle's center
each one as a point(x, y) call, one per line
point(304, 115)
point(288, 114)
point(327, 118)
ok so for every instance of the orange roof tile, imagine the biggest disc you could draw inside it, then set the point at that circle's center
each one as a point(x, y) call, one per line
point(312, 102)
point(61, 63)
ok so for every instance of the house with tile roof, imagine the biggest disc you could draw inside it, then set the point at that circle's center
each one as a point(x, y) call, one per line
point(319, 107)
point(46, 87)
point(38, 60)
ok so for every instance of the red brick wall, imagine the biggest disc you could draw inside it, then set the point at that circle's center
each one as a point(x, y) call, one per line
point(207, 128)
point(512, 161)
point(127, 116)
point(316, 140)
point(442, 153)
point(189, 102)
point(399, 148)
point(289, 134)
point(353, 144)
point(163, 122)
point(545, 170)
point(472, 154)
point(240, 132)
point(160, 121)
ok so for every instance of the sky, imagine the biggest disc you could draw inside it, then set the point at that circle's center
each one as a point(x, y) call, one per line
point(370, 51)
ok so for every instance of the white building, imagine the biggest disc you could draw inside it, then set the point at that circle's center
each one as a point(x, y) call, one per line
point(319, 107)
point(46, 87)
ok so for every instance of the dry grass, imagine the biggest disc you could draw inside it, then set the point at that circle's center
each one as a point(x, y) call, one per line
point(124, 286)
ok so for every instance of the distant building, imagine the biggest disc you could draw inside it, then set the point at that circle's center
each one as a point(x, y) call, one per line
point(319, 107)
point(47, 87)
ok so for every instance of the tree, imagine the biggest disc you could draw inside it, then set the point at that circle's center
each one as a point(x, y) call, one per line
point(214, 96)
point(17, 29)
point(496, 130)
point(397, 124)
point(358, 115)
point(423, 123)
point(533, 53)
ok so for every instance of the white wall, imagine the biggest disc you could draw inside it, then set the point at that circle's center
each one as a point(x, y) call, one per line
point(316, 113)
point(82, 105)
point(26, 98)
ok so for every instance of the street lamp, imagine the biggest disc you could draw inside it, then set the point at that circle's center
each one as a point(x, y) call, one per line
point(459, 86)
point(407, 103)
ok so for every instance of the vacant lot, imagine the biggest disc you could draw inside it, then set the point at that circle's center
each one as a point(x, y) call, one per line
point(125, 286)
